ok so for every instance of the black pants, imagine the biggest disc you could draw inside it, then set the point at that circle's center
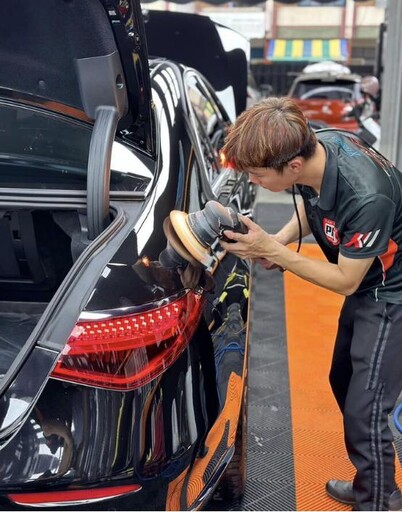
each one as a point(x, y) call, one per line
point(366, 379)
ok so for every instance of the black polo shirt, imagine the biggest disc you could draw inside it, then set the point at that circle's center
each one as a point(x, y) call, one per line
point(359, 212)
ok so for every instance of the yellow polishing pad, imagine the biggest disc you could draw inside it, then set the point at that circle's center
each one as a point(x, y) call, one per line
point(180, 225)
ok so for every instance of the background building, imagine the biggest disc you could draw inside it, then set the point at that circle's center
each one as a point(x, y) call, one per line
point(341, 30)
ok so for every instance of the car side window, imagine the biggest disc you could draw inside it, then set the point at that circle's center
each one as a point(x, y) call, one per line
point(208, 123)
point(196, 200)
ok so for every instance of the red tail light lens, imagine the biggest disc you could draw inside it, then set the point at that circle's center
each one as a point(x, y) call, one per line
point(127, 352)
point(72, 497)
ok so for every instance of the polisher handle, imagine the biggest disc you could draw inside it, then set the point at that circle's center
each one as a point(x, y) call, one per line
point(238, 227)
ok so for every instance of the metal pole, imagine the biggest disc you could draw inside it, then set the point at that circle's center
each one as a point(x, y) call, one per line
point(391, 97)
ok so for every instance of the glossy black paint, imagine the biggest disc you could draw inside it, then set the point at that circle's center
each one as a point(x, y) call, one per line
point(172, 35)
point(79, 437)
point(48, 73)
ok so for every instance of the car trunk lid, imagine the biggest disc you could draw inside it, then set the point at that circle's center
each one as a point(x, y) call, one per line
point(75, 56)
point(87, 60)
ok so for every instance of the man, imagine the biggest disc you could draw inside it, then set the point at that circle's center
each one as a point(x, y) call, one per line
point(352, 203)
point(369, 88)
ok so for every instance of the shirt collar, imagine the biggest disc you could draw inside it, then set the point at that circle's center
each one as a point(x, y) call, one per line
point(329, 185)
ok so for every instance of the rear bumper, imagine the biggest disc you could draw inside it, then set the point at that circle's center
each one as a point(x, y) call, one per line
point(119, 497)
point(161, 447)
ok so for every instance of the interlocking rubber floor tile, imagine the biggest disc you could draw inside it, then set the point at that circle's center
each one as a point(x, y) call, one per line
point(294, 426)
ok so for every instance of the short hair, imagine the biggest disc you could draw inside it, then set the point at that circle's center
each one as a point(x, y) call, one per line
point(269, 134)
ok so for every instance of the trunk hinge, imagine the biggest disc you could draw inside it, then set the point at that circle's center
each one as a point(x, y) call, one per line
point(104, 98)
point(98, 175)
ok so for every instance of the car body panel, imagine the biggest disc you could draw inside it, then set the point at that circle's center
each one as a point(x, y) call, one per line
point(167, 442)
point(223, 60)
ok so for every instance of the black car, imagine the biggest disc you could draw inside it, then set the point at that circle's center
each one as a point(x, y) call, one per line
point(122, 370)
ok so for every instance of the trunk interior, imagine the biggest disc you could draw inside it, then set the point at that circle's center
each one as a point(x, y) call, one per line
point(38, 248)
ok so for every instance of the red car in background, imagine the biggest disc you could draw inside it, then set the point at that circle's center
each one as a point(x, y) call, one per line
point(328, 98)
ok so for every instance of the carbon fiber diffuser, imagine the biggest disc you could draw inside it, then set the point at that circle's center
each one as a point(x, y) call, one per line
point(199, 231)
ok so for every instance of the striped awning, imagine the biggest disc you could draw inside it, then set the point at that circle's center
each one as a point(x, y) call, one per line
point(307, 49)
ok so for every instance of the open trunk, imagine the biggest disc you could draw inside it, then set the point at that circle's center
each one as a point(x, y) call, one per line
point(38, 248)
point(61, 102)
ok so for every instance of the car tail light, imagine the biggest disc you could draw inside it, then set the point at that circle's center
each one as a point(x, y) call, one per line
point(72, 497)
point(128, 351)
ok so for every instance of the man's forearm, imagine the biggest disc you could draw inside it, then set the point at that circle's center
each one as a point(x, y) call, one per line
point(322, 273)
point(290, 232)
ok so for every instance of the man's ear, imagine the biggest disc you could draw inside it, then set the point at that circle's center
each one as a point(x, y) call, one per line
point(296, 165)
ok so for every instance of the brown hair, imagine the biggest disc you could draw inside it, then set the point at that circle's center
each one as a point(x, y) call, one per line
point(269, 134)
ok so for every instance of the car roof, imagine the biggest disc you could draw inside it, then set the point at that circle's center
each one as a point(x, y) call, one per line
point(328, 77)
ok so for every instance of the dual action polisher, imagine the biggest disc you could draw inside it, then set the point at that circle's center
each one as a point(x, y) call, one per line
point(194, 237)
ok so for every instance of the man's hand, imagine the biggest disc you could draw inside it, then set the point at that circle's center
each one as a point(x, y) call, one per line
point(255, 244)
point(265, 262)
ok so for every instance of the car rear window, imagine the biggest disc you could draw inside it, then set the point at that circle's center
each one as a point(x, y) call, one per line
point(344, 90)
point(42, 150)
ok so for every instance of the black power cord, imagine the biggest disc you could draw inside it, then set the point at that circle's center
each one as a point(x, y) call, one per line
point(298, 217)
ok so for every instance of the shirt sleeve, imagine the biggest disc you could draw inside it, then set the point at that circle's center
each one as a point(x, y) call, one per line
point(368, 230)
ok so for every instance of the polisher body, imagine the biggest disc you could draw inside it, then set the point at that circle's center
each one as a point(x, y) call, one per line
point(200, 232)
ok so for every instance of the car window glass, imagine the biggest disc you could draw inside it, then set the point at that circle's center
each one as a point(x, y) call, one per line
point(195, 200)
point(208, 123)
point(41, 150)
point(319, 89)
point(203, 107)
point(329, 93)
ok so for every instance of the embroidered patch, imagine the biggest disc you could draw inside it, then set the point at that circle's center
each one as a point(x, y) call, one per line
point(331, 231)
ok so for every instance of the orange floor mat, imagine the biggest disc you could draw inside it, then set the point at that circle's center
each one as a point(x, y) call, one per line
point(319, 453)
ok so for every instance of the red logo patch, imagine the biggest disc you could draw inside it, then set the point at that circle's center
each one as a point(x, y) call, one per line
point(331, 231)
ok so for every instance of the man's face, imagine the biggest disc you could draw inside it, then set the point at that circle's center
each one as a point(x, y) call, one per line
point(271, 179)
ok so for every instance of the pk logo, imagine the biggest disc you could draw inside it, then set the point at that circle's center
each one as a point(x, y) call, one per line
point(331, 231)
